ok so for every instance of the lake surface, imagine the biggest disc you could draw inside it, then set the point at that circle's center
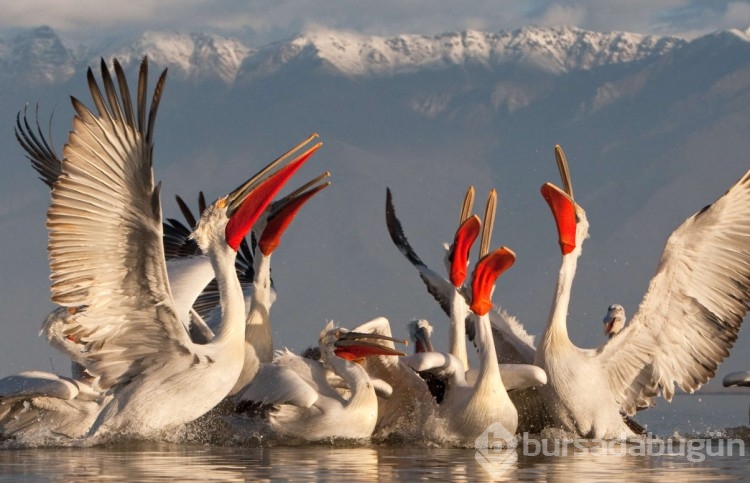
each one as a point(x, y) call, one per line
point(708, 425)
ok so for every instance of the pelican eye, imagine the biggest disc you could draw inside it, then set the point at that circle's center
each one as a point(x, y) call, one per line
point(222, 203)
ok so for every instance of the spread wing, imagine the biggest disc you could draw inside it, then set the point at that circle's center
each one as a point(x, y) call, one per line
point(439, 287)
point(105, 241)
point(290, 379)
point(691, 314)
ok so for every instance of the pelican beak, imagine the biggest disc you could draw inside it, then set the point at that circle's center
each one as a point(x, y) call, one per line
point(357, 345)
point(608, 327)
point(609, 321)
point(466, 234)
point(564, 210)
point(246, 203)
point(422, 340)
point(283, 211)
point(486, 272)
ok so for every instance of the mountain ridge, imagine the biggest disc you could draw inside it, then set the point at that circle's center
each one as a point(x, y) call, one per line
point(202, 56)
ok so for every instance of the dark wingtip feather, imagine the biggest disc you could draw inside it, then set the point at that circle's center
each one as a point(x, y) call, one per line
point(397, 232)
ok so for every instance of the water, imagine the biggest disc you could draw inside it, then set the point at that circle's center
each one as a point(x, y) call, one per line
point(720, 417)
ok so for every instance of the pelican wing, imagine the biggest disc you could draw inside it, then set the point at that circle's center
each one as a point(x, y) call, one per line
point(42, 156)
point(105, 242)
point(439, 287)
point(442, 364)
point(512, 343)
point(691, 314)
point(37, 383)
point(276, 384)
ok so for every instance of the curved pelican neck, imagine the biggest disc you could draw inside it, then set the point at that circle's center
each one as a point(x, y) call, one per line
point(258, 324)
point(232, 300)
point(459, 312)
point(489, 371)
point(557, 329)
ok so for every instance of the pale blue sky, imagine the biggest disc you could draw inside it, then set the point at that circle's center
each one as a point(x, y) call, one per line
point(259, 22)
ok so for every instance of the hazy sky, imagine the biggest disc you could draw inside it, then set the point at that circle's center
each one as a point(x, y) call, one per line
point(263, 21)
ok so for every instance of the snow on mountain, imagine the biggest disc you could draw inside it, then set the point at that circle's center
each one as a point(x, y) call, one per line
point(194, 56)
point(554, 50)
point(37, 57)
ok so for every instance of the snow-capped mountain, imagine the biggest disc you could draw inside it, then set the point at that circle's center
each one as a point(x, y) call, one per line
point(38, 57)
point(554, 50)
point(188, 56)
point(199, 56)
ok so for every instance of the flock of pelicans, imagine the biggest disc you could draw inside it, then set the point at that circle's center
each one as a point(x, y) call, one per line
point(168, 324)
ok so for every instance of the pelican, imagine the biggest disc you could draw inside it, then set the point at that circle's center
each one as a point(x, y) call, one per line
point(404, 410)
point(305, 405)
point(136, 343)
point(686, 324)
point(453, 297)
point(189, 269)
point(420, 333)
point(37, 404)
point(259, 294)
point(468, 410)
point(737, 379)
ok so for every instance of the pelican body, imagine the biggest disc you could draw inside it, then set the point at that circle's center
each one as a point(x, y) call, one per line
point(305, 405)
point(136, 343)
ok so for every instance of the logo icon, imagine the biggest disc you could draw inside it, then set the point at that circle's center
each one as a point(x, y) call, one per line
point(496, 450)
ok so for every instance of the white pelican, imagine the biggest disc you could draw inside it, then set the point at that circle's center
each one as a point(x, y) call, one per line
point(420, 333)
point(260, 294)
point(258, 290)
point(737, 379)
point(468, 410)
point(36, 404)
point(136, 344)
point(305, 405)
point(685, 326)
point(404, 411)
point(453, 297)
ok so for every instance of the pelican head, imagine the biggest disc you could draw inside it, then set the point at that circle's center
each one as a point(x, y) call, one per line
point(53, 329)
point(231, 217)
point(614, 321)
point(420, 332)
point(354, 346)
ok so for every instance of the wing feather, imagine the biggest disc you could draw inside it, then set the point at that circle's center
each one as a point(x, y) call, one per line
point(105, 242)
point(691, 314)
point(439, 287)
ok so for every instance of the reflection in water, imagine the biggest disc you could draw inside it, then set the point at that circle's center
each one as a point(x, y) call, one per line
point(162, 461)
